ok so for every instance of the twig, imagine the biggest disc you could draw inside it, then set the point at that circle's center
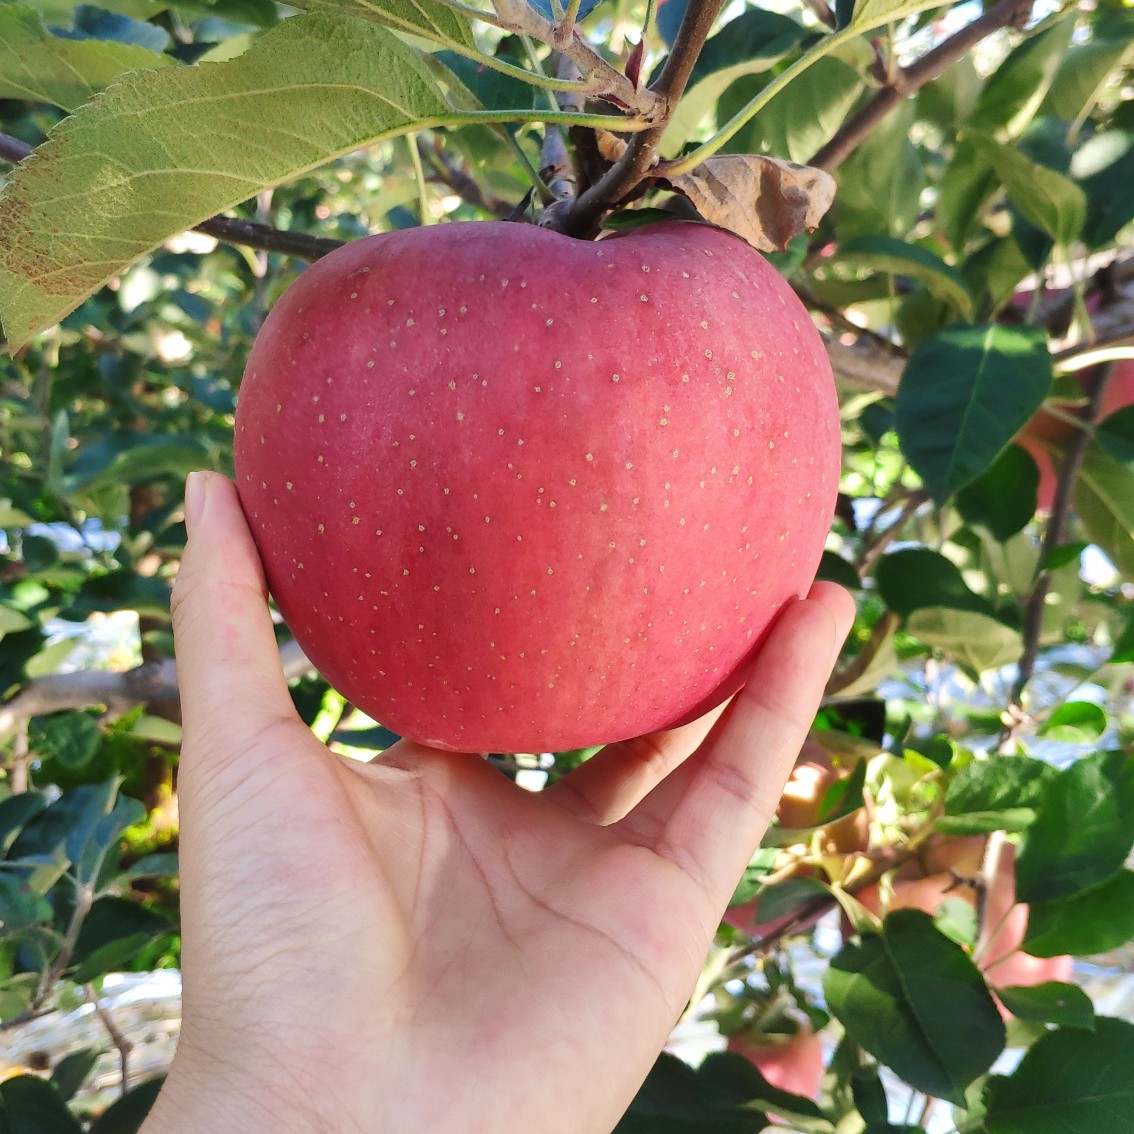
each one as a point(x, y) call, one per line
point(604, 81)
point(12, 150)
point(1055, 536)
point(301, 245)
point(632, 167)
point(18, 772)
point(555, 165)
point(444, 169)
point(905, 81)
point(117, 1037)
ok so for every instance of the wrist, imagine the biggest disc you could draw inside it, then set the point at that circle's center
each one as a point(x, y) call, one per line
point(219, 1100)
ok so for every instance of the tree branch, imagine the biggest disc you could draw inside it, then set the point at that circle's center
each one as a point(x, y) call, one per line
point(1055, 536)
point(12, 150)
point(580, 217)
point(853, 132)
point(151, 684)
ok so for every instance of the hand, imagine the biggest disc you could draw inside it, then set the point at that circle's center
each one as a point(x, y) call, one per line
point(417, 944)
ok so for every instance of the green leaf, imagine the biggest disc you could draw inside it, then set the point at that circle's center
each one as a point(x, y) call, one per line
point(916, 577)
point(1053, 1002)
point(914, 1000)
point(1012, 819)
point(870, 1094)
point(1063, 555)
point(965, 187)
point(30, 1105)
point(484, 86)
point(752, 43)
point(975, 640)
point(135, 458)
point(1093, 922)
point(20, 905)
point(677, 1099)
point(965, 393)
point(805, 115)
point(999, 784)
point(15, 812)
point(1105, 169)
point(40, 67)
point(898, 258)
point(69, 1074)
point(1015, 90)
point(1104, 499)
point(1003, 498)
point(163, 150)
point(12, 621)
point(432, 19)
point(1047, 198)
point(735, 1081)
point(1069, 1082)
point(113, 932)
point(1076, 722)
point(880, 184)
point(1081, 76)
point(1124, 644)
point(127, 1114)
point(874, 13)
point(1083, 832)
point(71, 738)
point(834, 568)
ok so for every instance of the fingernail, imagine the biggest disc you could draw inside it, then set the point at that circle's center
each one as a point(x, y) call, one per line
point(195, 486)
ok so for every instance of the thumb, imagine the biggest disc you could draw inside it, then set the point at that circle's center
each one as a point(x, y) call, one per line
point(228, 666)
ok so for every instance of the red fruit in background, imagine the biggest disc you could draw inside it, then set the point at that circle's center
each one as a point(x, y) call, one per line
point(1045, 432)
point(792, 1063)
point(518, 492)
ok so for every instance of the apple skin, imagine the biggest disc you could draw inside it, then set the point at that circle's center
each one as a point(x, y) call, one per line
point(792, 1063)
point(517, 492)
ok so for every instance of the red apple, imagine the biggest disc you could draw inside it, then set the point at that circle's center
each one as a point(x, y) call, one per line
point(1004, 924)
point(792, 1063)
point(1045, 434)
point(519, 492)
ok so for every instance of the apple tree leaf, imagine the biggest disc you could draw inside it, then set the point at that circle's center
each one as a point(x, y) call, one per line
point(162, 150)
point(38, 66)
point(1069, 1082)
point(1083, 831)
point(965, 393)
point(914, 1000)
point(430, 18)
point(1092, 922)
point(1052, 1002)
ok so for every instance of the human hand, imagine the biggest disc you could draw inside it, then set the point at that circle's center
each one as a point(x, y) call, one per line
point(417, 943)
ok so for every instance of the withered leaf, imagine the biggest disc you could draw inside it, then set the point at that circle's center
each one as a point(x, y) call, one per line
point(764, 200)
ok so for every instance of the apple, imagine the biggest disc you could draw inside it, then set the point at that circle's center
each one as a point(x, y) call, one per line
point(518, 492)
point(1045, 434)
point(791, 1062)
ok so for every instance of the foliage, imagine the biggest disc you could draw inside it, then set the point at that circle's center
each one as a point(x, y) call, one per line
point(974, 281)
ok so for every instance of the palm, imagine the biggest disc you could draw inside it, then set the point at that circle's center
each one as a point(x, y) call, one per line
point(430, 887)
point(386, 946)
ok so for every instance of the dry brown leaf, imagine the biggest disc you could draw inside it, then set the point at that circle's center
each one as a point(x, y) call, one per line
point(764, 200)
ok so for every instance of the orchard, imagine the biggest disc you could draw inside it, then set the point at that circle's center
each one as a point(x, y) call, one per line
point(554, 348)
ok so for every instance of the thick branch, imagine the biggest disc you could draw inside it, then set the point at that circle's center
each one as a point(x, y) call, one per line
point(906, 81)
point(631, 169)
point(152, 684)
